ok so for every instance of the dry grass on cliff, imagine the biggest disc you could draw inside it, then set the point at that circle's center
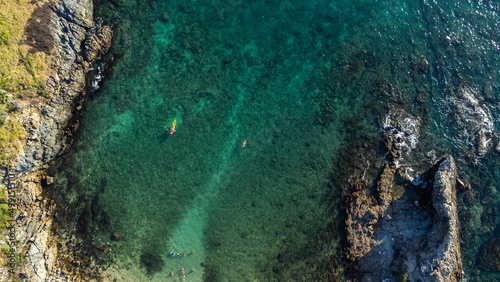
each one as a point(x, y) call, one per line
point(22, 71)
point(19, 69)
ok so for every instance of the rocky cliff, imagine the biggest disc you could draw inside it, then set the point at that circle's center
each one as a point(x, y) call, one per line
point(399, 228)
point(75, 41)
point(441, 259)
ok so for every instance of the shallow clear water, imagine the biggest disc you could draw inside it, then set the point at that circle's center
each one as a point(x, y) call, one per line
point(297, 82)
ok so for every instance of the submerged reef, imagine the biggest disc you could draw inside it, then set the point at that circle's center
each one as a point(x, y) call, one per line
point(490, 254)
point(153, 262)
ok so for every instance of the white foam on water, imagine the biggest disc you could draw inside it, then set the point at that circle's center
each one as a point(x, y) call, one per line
point(404, 131)
point(469, 95)
point(94, 84)
point(387, 122)
point(473, 122)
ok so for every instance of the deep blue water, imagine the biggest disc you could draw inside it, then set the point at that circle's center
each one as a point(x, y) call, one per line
point(297, 82)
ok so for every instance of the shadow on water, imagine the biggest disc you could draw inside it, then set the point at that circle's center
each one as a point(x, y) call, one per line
point(152, 260)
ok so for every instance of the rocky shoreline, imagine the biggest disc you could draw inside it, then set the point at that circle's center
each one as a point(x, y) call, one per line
point(397, 227)
point(75, 41)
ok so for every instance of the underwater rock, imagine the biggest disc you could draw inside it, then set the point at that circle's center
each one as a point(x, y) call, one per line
point(166, 17)
point(488, 220)
point(116, 236)
point(490, 254)
point(469, 196)
point(153, 262)
point(419, 66)
point(83, 224)
point(187, 8)
point(422, 97)
point(118, 3)
point(473, 220)
point(227, 60)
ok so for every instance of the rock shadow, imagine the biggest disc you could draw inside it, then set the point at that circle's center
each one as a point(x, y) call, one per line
point(38, 34)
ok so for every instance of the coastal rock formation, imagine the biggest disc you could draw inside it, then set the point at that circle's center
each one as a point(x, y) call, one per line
point(441, 259)
point(363, 213)
point(98, 43)
point(398, 230)
point(49, 126)
point(36, 220)
point(473, 121)
point(70, 23)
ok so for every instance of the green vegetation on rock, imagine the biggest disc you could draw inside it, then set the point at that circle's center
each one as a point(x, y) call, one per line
point(10, 134)
point(4, 209)
point(22, 71)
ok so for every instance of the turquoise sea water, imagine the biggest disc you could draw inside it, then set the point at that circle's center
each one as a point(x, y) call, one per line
point(299, 83)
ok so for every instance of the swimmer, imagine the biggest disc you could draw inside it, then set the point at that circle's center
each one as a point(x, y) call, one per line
point(172, 273)
point(172, 253)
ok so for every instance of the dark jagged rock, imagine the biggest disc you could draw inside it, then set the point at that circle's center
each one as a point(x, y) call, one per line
point(393, 232)
point(442, 259)
point(98, 44)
